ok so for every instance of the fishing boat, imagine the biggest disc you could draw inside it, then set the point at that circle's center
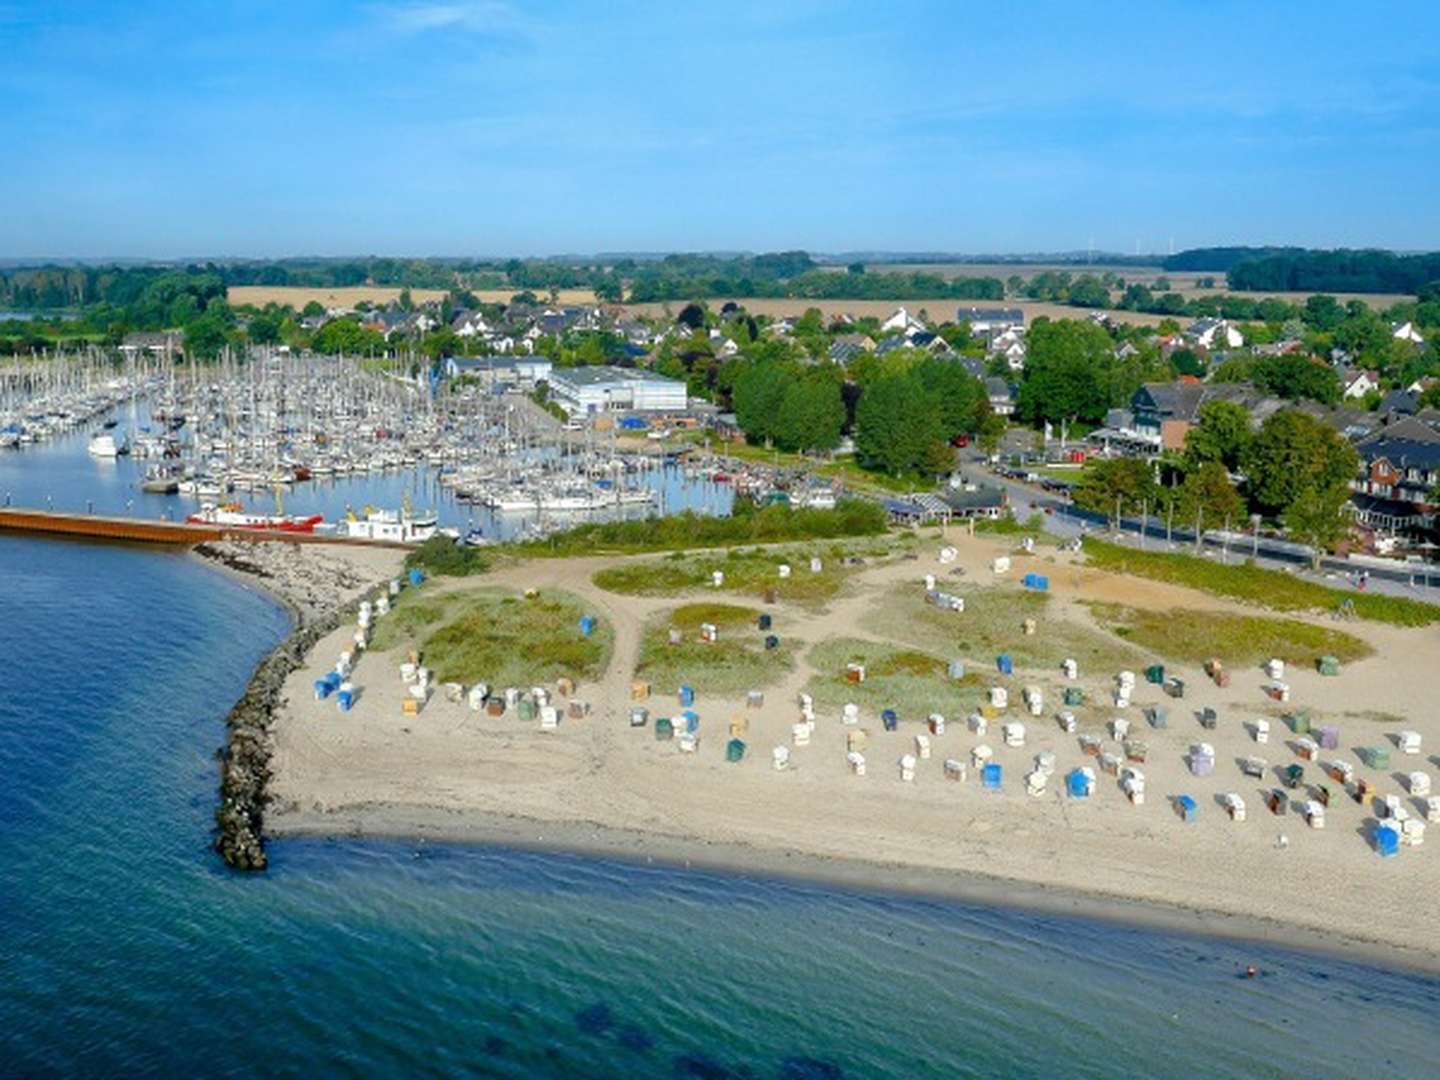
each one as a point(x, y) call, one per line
point(403, 527)
point(233, 515)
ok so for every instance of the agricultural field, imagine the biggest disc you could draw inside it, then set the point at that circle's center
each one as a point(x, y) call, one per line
point(297, 296)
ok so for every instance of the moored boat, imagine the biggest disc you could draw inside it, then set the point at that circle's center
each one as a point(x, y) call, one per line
point(234, 515)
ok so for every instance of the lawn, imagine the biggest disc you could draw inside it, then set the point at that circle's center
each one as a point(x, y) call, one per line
point(748, 571)
point(911, 682)
point(737, 662)
point(494, 636)
point(1272, 589)
point(992, 623)
point(1196, 636)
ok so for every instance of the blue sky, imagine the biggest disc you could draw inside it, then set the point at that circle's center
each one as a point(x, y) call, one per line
point(512, 127)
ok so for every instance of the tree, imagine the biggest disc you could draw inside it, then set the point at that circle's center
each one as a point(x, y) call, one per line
point(1322, 312)
point(692, 315)
point(957, 395)
point(406, 301)
point(1294, 377)
point(990, 431)
point(894, 426)
point(811, 413)
point(1292, 452)
point(1068, 368)
point(759, 392)
point(1115, 484)
point(313, 308)
point(264, 329)
point(1316, 517)
point(1207, 497)
point(205, 337)
point(1221, 434)
point(1187, 362)
point(348, 336)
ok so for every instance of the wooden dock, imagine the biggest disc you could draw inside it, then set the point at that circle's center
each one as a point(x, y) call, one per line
point(146, 531)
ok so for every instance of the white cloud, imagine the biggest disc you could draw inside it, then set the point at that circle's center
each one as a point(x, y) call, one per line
point(492, 18)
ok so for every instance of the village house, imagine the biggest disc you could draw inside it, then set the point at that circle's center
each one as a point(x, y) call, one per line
point(1400, 468)
point(1407, 332)
point(903, 323)
point(1002, 400)
point(1356, 383)
point(1164, 413)
point(1214, 334)
point(990, 322)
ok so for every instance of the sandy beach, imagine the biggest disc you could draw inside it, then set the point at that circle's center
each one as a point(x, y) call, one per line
point(598, 784)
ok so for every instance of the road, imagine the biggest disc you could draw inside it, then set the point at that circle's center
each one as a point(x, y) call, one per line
point(1067, 521)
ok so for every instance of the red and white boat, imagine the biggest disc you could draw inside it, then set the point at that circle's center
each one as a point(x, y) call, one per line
point(233, 516)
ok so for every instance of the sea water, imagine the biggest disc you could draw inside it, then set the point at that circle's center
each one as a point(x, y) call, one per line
point(126, 948)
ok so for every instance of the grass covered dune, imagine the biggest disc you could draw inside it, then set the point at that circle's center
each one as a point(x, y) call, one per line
point(496, 636)
point(735, 663)
point(1196, 636)
point(1252, 584)
point(748, 571)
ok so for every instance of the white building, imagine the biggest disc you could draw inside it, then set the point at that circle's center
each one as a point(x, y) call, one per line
point(1407, 332)
point(585, 390)
point(524, 371)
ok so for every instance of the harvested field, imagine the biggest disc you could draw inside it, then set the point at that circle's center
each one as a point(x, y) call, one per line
point(297, 296)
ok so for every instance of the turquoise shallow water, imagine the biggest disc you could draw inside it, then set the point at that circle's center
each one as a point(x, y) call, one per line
point(128, 949)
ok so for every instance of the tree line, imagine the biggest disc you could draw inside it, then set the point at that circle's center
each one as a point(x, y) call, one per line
point(1294, 468)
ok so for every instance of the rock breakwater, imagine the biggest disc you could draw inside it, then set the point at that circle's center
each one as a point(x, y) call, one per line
point(322, 590)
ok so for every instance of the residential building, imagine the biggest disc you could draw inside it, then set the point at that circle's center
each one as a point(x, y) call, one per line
point(1002, 400)
point(522, 371)
point(1403, 402)
point(159, 344)
point(1356, 383)
point(585, 390)
point(1407, 332)
point(1165, 412)
point(1215, 334)
point(1400, 469)
point(902, 322)
point(989, 322)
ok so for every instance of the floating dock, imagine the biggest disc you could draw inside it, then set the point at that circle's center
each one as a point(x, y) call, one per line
point(145, 531)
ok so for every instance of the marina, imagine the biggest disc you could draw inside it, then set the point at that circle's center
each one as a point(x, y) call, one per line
point(277, 441)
